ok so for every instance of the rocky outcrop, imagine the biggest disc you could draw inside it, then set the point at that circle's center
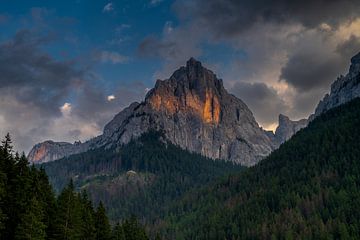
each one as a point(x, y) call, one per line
point(344, 89)
point(194, 111)
point(287, 128)
point(48, 151)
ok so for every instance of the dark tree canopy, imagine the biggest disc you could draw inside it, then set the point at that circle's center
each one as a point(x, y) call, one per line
point(29, 209)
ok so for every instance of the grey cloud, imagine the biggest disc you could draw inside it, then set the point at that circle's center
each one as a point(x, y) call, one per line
point(315, 64)
point(92, 104)
point(231, 17)
point(154, 47)
point(34, 85)
point(176, 45)
point(349, 48)
point(35, 77)
point(308, 70)
point(262, 100)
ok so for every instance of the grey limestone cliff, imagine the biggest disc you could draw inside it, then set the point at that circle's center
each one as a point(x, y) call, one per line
point(344, 89)
point(194, 111)
point(287, 128)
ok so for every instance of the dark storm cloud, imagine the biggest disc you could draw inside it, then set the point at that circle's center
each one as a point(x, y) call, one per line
point(36, 77)
point(231, 17)
point(154, 47)
point(350, 47)
point(34, 86)
point(261, 99)
point(307, 70)
point(314, 65)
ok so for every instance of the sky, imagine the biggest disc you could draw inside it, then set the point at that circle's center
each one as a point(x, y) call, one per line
point(67, 67)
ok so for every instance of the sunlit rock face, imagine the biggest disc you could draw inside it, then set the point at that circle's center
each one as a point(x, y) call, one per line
point(194, 111)
point(49, 151)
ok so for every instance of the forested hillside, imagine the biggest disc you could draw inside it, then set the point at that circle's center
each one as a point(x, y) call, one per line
point(307, 189)
point(141, 178)
point(29, 209)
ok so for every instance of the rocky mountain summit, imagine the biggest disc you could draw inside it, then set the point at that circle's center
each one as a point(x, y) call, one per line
point(287, 128)
point(344, 89)
point(50, 150)
point(193, 110)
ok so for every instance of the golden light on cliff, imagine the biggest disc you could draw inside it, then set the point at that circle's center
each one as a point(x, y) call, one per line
point(211, 112)
point(208, 110)
point(40, 153)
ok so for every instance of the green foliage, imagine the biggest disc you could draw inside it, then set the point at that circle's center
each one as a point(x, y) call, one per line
point(32, 225)
point(68, 214)
point(141, 178)
point(307, 189)
point(103, 229)
point(30, 211)
point(130, 229)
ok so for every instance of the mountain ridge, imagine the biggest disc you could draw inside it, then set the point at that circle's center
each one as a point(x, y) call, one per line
point(195, 112)
point(199, 115)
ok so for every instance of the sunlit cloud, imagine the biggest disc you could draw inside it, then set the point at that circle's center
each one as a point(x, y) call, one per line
point(66, 109)
point(111, 98)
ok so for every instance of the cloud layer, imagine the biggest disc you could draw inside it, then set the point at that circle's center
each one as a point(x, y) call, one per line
point(294, 49)
point(44, 98)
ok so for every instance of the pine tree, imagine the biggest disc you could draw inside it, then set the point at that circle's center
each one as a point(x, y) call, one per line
point(68, 216)
point(118, 233)
point(46, 196)
point(7, 144)
point(31, 226)
point(133, 230)
point(103, 229)
point(2, 191)
point(87, 231)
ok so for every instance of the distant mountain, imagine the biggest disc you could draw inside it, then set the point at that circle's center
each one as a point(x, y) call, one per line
point(343, 90)
point(306, 189)
point(287, 128)
point(193, 110)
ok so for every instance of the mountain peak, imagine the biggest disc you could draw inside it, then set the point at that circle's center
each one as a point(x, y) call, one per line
point(288, 128)
point(192, 88)
point(192, 62)
point(195, 112)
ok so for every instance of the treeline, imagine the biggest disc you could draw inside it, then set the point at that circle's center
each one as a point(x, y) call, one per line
point(30, 210)
point(160, 173)
point(307, 189)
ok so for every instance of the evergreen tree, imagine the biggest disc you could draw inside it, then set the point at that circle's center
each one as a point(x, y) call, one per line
point(31, 225)
point(102, 226)
point(29, 210)
point(88, 230)
point(67, 225)
point(133, 230)
point(118, 232)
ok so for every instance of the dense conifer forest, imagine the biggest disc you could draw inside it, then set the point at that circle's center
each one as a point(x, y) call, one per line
point(29, 209)
point(141, 178)
point(307, 189)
